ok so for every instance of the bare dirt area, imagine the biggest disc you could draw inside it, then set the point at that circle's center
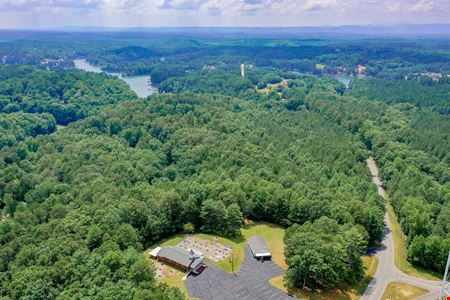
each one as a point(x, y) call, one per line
point(162, 270)
point(212, 250)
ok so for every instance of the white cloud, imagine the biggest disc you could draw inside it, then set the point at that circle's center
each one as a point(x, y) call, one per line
point(230, 12)
point(180, 4)
point(392, 6)
point(422, 6)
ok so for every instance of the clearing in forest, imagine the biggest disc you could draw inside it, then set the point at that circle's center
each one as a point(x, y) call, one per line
point(273, 234)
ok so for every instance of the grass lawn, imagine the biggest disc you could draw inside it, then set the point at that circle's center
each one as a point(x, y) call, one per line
point(237, 254)
point(400, 242)
point(351, 292)
point(176, 280)
point(401, 291)
point(273, 235)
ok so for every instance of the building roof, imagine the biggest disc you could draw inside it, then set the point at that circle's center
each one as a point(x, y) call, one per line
point(258, 246)
point(180, 256)
point(155, 252)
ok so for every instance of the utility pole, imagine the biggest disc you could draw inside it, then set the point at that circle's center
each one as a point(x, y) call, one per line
point(232, 263)
point(445, 289)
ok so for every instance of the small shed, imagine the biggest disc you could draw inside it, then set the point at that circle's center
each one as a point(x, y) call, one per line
point(259, 247)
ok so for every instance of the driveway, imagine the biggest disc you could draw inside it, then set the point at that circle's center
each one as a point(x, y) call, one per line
point(251, 282)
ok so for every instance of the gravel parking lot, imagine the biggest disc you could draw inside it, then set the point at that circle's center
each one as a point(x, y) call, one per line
point(251, 282)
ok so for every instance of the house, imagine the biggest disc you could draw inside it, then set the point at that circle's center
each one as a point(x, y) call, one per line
point(320, 67)
point(432, 75)
point(360, 69)
point(189, 261)
point(259, 247)
point(209, 67)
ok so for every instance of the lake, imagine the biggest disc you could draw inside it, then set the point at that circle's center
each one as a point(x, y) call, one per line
point(344, 79)
point(141, 85)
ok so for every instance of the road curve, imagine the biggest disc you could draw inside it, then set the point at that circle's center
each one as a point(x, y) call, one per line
point(387, 271)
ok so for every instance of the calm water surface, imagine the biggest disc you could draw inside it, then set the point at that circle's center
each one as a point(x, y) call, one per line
point(344, 79)
point(141, 85)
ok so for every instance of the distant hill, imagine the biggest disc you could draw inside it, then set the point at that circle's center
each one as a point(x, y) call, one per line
point(409, 30)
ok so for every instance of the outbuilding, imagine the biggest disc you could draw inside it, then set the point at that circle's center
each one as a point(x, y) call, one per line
point(259, 247)
point(179, 258)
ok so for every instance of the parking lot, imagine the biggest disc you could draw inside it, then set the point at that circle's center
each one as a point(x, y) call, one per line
point(251, 282)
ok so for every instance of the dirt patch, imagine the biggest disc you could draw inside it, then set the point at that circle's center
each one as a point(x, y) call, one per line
point(163, 271)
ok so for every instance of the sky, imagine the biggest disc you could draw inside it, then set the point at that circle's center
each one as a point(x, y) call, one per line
point(233, 13)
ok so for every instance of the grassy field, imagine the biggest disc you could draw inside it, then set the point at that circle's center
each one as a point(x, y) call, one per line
point(237, 254)
point(401, 291)
point(351, 292)
point(176, 280)
point(273, 87)
point(400, 243)
point(273, 234)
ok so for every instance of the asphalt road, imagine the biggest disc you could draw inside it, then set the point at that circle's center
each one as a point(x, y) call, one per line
point(387, 271)
point(251, 282)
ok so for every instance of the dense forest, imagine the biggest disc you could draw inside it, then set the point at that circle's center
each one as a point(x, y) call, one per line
point(414, 158)
point(172, 54)
point(127, 172)
point(68, 96)
point(410, 143)
point(17, 126)
point(90, 174)
point(423, 92)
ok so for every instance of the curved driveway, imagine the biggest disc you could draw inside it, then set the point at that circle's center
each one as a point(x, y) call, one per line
point(387, 271)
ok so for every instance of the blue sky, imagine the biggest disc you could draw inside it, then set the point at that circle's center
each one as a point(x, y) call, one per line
point(131, 13)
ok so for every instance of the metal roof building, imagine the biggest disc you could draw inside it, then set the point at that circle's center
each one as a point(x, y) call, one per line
point(180, 258)
point(258, 246)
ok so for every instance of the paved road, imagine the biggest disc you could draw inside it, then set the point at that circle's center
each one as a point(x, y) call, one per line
point(251, 282)
point(387, 271)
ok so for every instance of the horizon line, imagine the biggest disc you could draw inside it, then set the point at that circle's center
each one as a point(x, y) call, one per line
point(224, 26)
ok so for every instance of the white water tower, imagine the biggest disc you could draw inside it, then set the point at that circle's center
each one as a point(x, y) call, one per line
point(243, 70)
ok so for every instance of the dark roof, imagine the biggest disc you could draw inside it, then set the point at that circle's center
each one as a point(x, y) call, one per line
point(180, 256)
point(258, 246)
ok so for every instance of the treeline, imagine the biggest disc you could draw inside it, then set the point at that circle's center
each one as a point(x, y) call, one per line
point(414, 167)
point(173, 53)
point(422, 92)
point(428, 131)
point(15, 127)
point(215, 82)
point(288, 88)
point(68, 96)
point(83, 202)
point(382, 58)
point(324, 254)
